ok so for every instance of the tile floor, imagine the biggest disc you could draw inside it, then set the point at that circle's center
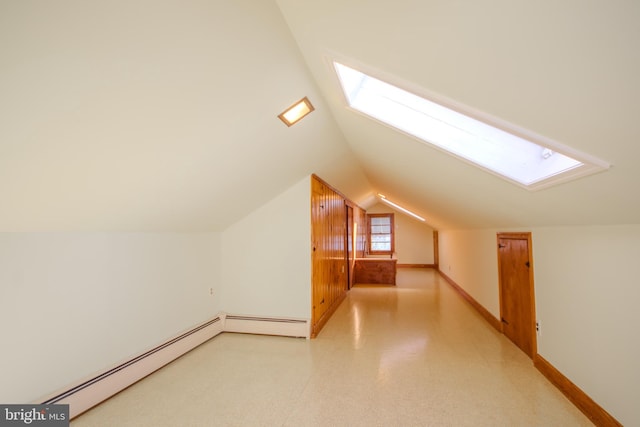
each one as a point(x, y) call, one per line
point(412, 355)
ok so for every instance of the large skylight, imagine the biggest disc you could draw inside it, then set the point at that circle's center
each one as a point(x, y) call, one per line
point(519, 160)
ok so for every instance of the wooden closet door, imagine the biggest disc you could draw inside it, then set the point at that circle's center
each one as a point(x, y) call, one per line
point(517, 310)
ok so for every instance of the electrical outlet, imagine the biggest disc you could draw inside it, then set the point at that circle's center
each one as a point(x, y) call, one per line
point(211, 291)
point(538, 329)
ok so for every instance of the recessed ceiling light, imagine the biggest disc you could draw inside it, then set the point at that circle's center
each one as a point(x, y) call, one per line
point(296, 112)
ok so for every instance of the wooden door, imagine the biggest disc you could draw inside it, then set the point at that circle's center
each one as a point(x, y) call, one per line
point(329, 278)
point(517, 310)
point(350, 247)
point(318, 254)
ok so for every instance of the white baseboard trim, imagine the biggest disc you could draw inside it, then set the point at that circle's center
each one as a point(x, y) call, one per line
point(91, 391)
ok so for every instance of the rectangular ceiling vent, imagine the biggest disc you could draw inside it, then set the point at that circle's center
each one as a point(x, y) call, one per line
point(517, 155)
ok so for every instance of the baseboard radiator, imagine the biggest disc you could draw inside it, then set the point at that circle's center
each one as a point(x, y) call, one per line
point(90, 392)
point(298, 328)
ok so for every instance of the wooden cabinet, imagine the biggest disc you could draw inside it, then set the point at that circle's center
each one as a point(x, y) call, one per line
point(329, 249)
point(328, 252)
point(378, 271)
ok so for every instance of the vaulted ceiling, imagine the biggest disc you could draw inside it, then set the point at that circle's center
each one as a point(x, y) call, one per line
point(141, 116)
point(564, 69)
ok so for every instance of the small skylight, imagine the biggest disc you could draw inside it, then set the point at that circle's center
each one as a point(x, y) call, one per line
point(519, 160)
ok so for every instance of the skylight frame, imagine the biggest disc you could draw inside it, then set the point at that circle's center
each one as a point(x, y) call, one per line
point(584, 164)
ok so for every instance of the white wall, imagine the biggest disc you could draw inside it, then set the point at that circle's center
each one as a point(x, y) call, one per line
point(587, 294)
point(470, 258)
point(413, 239)
point(72, 304)
point(266, 258)
point(586, 286)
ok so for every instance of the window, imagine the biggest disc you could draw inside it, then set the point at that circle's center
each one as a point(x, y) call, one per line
point(518, 155)
point(380, 232)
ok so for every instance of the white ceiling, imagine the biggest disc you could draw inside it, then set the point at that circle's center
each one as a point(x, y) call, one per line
point(142, 116)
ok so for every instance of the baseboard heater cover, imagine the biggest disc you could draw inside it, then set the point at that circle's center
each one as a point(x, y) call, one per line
point(91, 392)
point(288, 327)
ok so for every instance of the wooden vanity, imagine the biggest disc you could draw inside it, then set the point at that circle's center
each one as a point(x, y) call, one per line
point(377, 271)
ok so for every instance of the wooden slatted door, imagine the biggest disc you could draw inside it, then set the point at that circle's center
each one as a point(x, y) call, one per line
point(329, 252)
point(350, 246)
point(517, 309)
point(318, 256)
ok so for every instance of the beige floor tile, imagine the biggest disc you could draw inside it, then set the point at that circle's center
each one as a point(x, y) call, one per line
point(412, 355)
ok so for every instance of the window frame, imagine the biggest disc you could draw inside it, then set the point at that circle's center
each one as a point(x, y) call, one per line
point(391, 234)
